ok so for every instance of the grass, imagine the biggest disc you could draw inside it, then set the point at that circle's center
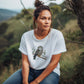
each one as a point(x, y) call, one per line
point(68, 59)
point(71, 58)
point(17, 28)
point(71, 26)
point(7, 73)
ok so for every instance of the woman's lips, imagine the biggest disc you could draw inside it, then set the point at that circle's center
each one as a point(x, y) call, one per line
point(46, 26)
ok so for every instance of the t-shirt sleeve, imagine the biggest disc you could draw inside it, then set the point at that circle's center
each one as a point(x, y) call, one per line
point(22, 47)
point(60, 46)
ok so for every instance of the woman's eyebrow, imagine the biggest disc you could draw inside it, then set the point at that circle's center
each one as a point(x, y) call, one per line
point(47, 16)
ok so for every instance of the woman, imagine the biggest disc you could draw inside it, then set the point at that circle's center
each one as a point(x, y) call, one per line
point(41, 50)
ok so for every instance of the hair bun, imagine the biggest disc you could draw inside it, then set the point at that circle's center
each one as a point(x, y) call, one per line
point(38, 3)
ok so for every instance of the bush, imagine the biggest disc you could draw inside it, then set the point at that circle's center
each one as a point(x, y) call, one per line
point(55, 9)
point(74, 35)
point(3, 27)
point(27, 17)
point(79, 70)
point(12, 56)
point(19, 16)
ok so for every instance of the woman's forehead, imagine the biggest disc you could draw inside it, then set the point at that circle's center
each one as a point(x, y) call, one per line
point(45, 13)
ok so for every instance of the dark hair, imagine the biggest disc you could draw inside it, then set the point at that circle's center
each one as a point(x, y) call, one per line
point(39, 8)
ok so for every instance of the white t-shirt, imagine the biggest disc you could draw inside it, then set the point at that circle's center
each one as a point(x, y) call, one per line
point(42, 49)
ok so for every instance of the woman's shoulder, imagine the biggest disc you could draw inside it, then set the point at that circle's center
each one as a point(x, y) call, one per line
point(56, 32)
point(27, 33)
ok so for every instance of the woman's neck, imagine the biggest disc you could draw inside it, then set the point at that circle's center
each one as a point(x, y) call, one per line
point(40, 34)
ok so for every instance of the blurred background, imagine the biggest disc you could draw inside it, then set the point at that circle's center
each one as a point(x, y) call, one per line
point(16, 17)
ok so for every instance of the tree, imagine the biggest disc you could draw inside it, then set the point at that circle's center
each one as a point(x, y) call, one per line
point(77, 6)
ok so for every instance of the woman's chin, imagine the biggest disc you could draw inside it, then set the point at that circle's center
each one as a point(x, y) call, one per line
point(46, 28)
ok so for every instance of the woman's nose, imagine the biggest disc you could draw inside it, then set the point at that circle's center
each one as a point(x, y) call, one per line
point(47, 21)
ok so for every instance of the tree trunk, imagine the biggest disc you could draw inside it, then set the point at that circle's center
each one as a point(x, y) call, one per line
point(78, 8)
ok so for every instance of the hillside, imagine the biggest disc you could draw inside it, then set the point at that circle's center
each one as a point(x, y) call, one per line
point(66, 22)
point(6, 14)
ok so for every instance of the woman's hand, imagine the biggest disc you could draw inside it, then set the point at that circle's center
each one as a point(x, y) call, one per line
point(34, 82)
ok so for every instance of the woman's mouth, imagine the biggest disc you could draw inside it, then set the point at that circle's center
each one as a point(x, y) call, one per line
point(46, 26)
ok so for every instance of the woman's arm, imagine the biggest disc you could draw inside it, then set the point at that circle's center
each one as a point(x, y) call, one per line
point(54, 61)
point(25, 69)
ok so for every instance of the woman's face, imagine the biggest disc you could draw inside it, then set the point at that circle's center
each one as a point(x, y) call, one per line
point(44, 20)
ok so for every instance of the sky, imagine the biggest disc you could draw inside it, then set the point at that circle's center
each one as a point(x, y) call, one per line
point(15, 4)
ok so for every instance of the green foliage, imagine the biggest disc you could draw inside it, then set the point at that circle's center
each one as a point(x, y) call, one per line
point(79, 70)
point(3, 27)
point(3, 45)
point(19, 16)
point(11, 56)
point(25, 13)
point(3, 42)
point(55, 9)
point(62, 18)
point(68, 63)
point(16, 29)
point(73, 74)
point(74, 35)
point(27, 17)
point(9, 36)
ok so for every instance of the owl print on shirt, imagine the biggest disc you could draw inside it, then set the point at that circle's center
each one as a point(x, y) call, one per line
point(39, 52)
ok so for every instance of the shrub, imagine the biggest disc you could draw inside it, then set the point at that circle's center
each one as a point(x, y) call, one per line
point(3, 27)
point(12, 56)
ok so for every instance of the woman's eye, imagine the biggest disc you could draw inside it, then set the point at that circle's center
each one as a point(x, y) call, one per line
point(46, 18)
point(42, 18)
